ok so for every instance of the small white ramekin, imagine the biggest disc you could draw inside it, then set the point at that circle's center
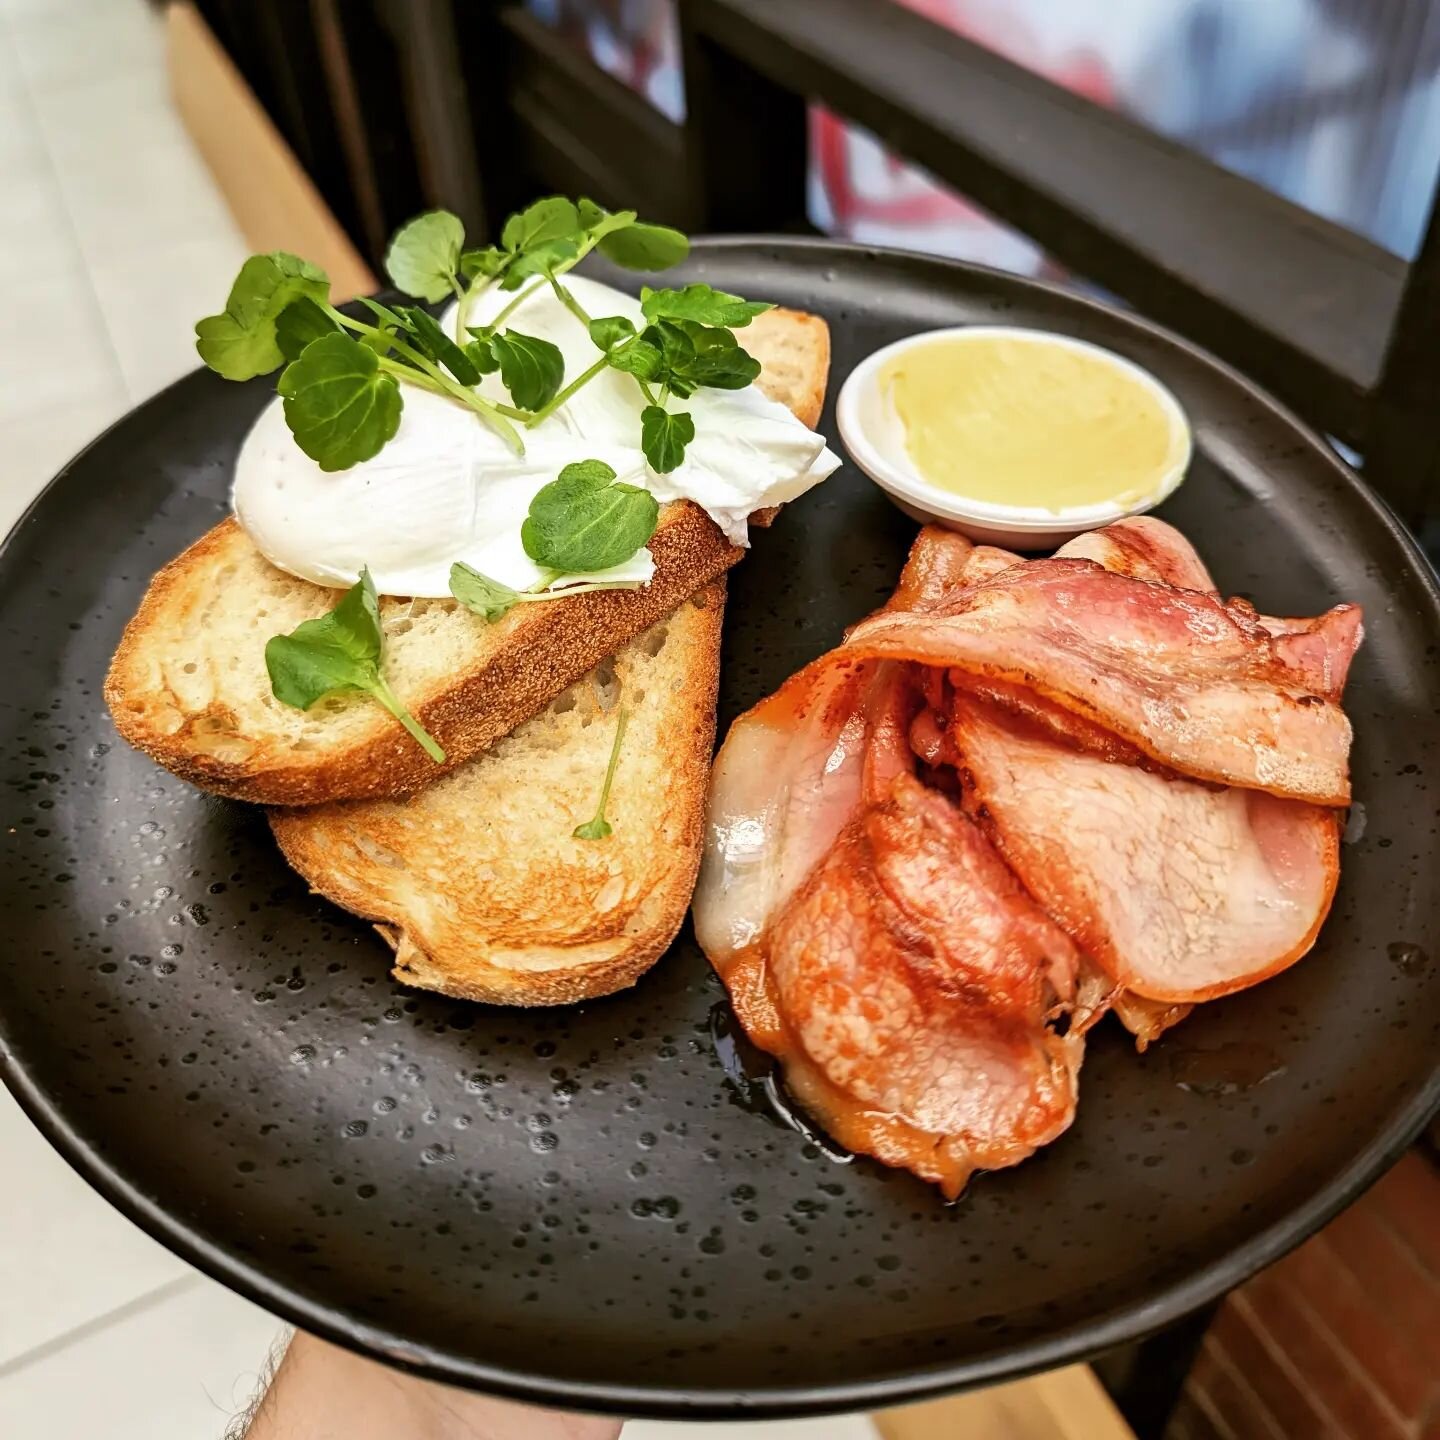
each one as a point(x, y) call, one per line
point(875, 437)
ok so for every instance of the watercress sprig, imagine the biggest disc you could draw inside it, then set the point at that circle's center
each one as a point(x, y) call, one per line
point(492, 599)
point(687, 344)
point(598, 827)
point(344, 401)
point(587, 520)
point(337, 652)
point(582, 522)
point(278, 309)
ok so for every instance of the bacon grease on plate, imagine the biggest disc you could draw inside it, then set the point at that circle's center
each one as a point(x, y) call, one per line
point(1022, 794)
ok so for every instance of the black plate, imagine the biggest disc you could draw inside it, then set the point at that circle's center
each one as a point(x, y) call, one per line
point(575, 1206)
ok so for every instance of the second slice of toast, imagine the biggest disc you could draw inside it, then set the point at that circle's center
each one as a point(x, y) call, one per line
point(478, 881)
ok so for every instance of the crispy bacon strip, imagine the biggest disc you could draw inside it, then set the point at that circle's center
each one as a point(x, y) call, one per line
point(1318, 651)
point(786, 781)
point(792, 770)
point(869, 936)
point(1144, 549)
point(1196, 685)
point(1180, 892)
point(917, 976)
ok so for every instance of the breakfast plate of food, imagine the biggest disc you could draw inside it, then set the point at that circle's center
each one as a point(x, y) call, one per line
point(1047, 947)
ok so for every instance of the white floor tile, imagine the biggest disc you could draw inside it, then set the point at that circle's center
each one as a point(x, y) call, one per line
point(132, 180)
point(152, 326)
point(20, 142)
point(19, 9)
point(65, 1255)
point(36, 238)
point(66, 358)
point(72, 42)
point(34, 447)
point(179, 1369)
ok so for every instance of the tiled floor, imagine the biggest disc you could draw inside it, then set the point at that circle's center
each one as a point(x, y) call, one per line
point(113, 240)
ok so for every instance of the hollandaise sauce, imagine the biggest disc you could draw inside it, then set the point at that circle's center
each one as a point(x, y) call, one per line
point(1011, 419)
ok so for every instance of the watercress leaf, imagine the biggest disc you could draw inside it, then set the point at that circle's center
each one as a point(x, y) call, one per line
point(231, 350)
point(672, 344)
point(704, 337)
point(694, 355)
point(584, 521)
point(608, 331)
point(301, 674)
point(300, 322)
point(700, 303)
point(482, 356)
point(340, 406)
point(672, 339)
point(639, 358)
point(424, 257)
point(718, 361)
point(592, 474)
point(645, 247)
point(439, 346)
point(539, 261)
point(664, 434)
point(553, 218)
point(240, 342)
point(337, 651)
point(530, 368)
point(480, 593)
point(481, 264)
point(598, 222)
point(267, 283)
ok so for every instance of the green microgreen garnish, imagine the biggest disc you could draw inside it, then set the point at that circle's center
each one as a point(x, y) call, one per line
point(531, 369)
point(424, 255)
point(240, 342)
point(583, 522)
point(279, 307)
point(598, 827)
point(586, 520)
point(336, 652)
point(338, 402)
point(492, 599)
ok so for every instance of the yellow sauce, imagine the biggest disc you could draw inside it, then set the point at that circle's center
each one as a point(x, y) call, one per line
point(1014, 421)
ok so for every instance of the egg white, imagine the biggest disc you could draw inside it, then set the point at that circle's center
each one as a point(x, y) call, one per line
point(447, 488)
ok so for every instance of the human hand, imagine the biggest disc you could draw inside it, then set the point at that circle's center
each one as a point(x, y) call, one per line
point(321, 1392)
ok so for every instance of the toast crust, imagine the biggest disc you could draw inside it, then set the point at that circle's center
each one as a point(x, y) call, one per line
point(535, 937)
point(541, 650)
point(501, 677)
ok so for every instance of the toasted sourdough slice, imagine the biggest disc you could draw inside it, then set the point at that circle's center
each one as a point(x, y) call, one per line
point(188, 683)
point(478, 881)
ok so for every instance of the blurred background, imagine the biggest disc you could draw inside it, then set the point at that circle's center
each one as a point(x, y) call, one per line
point(1259, 175)
point(1334, 104)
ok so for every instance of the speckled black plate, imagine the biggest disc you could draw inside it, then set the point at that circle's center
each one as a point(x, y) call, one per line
point(578, 1206)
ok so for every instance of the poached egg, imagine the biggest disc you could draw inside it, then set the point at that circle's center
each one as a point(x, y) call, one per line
point(447, 488)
